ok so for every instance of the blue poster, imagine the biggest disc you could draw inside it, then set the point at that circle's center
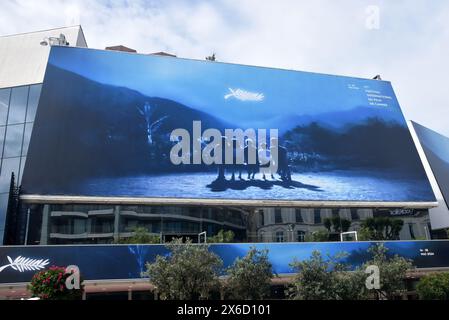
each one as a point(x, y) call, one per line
point(113, 124)
point(124, 262)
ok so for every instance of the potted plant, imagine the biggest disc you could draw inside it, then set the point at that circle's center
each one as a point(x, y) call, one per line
point(50, 284)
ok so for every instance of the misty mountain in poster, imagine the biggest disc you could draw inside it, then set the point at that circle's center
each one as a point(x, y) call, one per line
point(105, 120)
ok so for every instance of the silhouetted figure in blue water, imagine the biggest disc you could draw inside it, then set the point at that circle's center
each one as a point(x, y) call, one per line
point(237, 152)
point(283, 164)
point(265, 161)
point(251, 159)
point(222, 167)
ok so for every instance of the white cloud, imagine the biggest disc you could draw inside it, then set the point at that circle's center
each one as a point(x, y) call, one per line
point(410, 48)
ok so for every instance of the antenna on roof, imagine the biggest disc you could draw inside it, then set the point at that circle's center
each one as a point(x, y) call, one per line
point(377, 77)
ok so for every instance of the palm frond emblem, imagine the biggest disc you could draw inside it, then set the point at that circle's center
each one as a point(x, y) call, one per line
point(23, 264)
point(244, 95)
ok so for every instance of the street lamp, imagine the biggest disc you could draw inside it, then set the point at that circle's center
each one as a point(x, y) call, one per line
point(55, 41)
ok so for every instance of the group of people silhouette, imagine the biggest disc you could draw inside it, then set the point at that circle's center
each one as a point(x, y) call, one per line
point(265, 160)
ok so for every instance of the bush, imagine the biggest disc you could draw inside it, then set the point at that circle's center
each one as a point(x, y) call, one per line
point(250, 277)
point(434, 287)
point(318, 236)
point(141, 236)
point(222, 237)
point(326, 279)
point(190, 272)
point(393, 271)
point(50, 285)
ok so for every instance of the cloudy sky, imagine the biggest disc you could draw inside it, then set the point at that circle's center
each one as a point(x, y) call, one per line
point(405, 41)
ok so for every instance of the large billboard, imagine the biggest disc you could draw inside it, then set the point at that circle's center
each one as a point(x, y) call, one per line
point(149, 128)
point(113, 262)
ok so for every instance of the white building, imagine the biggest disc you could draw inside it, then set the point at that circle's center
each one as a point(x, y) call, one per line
point(23, 60)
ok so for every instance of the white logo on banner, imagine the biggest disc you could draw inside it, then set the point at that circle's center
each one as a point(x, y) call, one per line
point(23, 264)
point(243, 95)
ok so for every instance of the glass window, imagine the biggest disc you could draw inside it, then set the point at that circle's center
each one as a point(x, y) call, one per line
point(277, 216)
point(300, 236)
point(298, 216)
point(4, 104)
point(8, 166)
point(2, 139)
point(317, 216)
point(18, 105)
point(13, 141)
point(3, 207)
point(354, 214)
point(22, 167)
point(33, 101)
point(280, 236)
point(26, 138)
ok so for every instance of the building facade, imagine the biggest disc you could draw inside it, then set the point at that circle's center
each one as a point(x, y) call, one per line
point(23, 61)
point(51, 218)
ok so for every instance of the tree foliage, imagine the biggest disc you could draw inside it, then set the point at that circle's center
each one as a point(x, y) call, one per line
point(50, 285)
point(326, 279)
point(190, 272)
point(141, 236)
point(337, 224)
point(222, 237)
point(381, 228)
point(317, 236)
point(250, 277)
point(434, 287)
point(393, 271)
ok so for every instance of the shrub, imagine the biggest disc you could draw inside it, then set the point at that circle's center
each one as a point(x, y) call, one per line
point(250, 276)
point(434, 287)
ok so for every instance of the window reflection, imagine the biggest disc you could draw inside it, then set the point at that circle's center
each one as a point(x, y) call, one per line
point(97, 224)
point(4, 105)
point(18, 104)
point(26, 138)
point(13, 141)
point(35, 92)
point(3, 207)
point(8, 166)
point(2, 138)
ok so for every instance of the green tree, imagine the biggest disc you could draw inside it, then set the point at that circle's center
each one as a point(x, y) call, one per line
point(434, 287)
point(250, 277)
point(339, 225)
point(317, 236)
point(393, 271)
point(140, 236)
point(381, 228)
point(190, 272)
point(326, 279)
point(222, 237)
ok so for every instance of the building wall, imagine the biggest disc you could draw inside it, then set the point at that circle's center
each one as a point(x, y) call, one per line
point(439, 216)
point(22, 68)
point(23, 60)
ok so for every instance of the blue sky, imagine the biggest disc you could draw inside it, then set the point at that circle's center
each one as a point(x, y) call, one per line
point(408, 45)
point(203, 85)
